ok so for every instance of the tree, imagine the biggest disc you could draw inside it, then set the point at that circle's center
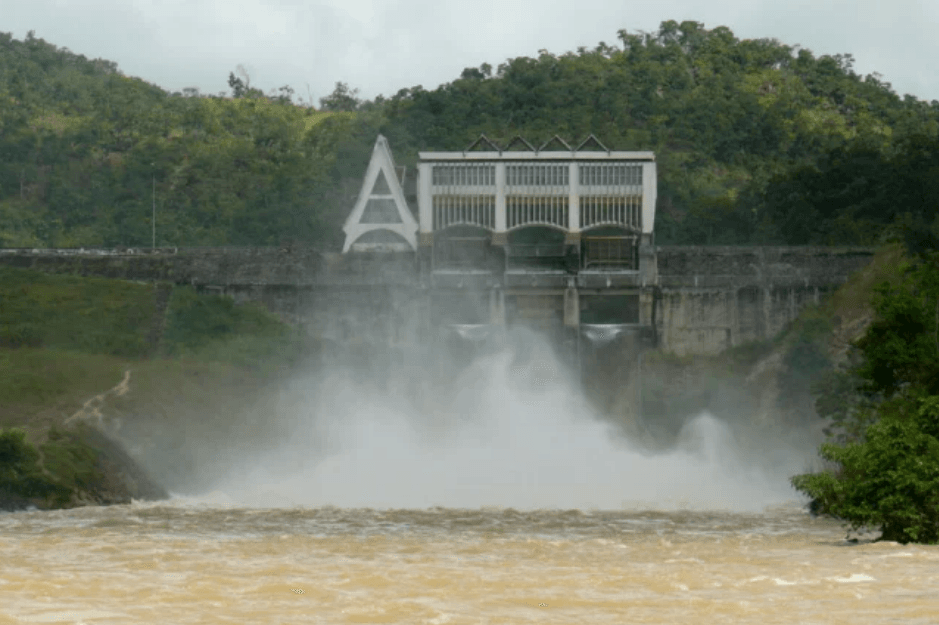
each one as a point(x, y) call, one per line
point(341, 99)
point(891, 479)
point(901, 348)
point(241, 84)
point(20, 472)
point(723, 115)
point(238, 86)
point(886, 465)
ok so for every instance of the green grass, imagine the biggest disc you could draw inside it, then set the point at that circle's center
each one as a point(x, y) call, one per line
point(214, 328)
point(69, 461)
point(93, 315)
point(40, 387)
point(21, 474)
point(68, 313)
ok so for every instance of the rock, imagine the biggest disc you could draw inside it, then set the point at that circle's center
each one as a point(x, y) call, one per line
point(11, 502)
point(122, 477)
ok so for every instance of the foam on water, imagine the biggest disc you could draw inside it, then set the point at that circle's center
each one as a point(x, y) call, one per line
point(513, 436)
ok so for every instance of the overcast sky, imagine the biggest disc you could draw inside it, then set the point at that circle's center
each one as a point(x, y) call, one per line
point(381, 46)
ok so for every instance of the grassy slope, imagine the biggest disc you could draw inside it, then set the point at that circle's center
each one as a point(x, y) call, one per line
point(89, 315)
point(66, 340)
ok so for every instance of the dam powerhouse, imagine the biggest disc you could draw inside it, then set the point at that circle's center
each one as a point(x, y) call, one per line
point(559, 238)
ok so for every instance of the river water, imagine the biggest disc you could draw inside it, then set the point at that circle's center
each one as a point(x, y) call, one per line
point(508, 503)
point(186, 561)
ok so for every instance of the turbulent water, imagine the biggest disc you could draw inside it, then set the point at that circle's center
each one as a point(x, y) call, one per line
point(190, 562)
point(514, 433)
point(505, 502)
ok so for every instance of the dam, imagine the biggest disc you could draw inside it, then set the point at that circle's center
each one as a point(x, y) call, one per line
point(559, 239)
point(535, 512)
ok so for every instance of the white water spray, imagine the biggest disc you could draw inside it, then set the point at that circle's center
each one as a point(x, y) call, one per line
point(512, 436)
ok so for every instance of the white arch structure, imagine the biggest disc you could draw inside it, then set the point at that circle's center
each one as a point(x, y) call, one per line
point(381, 219)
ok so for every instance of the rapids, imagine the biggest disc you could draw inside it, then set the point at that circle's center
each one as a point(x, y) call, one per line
point(187, 561)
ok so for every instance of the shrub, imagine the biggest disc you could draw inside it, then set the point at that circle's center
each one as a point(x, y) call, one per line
point(890, 479)
point(20, 473)
point(69, 460)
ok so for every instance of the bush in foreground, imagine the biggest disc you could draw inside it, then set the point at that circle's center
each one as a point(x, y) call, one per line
point(889, 479)
point(21, 477)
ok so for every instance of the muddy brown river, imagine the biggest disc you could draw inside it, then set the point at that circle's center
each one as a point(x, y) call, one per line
point(184, 561)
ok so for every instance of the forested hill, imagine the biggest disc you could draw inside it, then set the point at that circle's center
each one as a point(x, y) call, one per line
point(757, 142)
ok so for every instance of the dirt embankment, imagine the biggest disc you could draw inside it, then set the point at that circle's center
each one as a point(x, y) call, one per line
point(85, 465)
point(121, 477)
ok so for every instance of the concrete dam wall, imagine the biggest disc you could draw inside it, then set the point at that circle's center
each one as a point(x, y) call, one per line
point(690, 300)
point(713, 298)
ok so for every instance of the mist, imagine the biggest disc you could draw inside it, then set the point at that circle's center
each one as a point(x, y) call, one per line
point(509, 429)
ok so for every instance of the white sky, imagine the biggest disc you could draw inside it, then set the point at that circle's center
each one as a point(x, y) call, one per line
point(381, 46)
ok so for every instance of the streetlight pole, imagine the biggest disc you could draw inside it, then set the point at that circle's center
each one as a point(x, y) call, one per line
point(153, 212)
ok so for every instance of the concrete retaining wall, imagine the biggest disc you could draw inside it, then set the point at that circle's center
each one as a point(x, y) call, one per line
point(706, 298)
point(712, 298)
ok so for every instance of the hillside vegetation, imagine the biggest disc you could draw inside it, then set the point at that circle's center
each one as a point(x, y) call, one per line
point(77, 352)
point(757, 142)
point(882, 406)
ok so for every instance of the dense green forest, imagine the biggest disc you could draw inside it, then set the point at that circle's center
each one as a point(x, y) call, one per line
point(757, 142)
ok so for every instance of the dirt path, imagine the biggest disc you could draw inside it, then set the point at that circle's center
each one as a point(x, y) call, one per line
point(91, 409)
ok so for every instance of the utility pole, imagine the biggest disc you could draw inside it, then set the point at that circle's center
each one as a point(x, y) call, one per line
point(153, 214)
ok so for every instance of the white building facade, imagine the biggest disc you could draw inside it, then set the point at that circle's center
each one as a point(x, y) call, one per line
point(572, 191)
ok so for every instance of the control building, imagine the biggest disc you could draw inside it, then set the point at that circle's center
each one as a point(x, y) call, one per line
point(556, 237)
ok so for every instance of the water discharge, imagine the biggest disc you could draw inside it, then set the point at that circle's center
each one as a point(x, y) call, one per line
point(514, 432)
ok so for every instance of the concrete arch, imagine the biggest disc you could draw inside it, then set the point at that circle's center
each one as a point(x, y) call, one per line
point(461, 229)
point(380, 240)
point(461, 245)
point(463, 224)
point(537, 245)
point(610, 230)
point(538, 225)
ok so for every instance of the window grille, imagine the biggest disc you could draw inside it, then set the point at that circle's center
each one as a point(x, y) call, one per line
point(611, 194)
point(464, 193)
point(608, 210)
point(464, 175)
point(611, 174)
point(537, 193)
point(537, 174)
point(471, 210)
